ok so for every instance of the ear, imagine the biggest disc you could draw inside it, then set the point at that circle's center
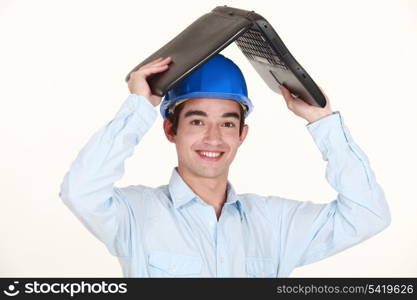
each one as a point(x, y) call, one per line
point(244, 134)
point(168, 130)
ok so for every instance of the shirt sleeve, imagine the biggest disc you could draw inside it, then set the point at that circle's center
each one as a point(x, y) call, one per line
point(311, 232)
point(88, 187)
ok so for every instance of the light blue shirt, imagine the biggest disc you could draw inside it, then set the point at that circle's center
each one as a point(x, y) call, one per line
point(169, 231)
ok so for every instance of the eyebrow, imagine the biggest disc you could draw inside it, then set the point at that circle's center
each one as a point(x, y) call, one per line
point(203, 114)
point(195, 113)
point(231, 115)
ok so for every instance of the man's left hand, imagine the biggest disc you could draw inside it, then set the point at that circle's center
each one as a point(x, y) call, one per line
point(302, 109)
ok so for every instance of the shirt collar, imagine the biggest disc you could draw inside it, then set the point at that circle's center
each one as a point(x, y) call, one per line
point(232, 197)
point(181, 193)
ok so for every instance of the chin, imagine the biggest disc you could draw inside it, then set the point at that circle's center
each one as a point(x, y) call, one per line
point(204, 170)
point(209, 173)
point(201, 171)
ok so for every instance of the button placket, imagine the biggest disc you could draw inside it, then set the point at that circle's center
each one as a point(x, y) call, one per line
point(221, 253)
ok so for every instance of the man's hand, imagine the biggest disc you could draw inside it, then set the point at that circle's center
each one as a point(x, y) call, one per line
point(137, 83)
point(302, 109)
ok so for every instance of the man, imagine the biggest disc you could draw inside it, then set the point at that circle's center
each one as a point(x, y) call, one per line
point(197, 226)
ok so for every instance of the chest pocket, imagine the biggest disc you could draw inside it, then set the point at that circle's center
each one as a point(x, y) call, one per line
point(260, 267)
point(165, 264)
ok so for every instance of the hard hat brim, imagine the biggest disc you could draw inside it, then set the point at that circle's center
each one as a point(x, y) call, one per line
point(245, 101)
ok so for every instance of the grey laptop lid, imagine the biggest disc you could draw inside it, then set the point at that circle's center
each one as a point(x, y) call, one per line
point(254, 36)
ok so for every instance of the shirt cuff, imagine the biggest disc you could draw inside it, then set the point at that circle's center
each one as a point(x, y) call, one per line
point(330, 134)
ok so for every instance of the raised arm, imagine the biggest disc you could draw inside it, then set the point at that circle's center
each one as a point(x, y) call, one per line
point(88, 187)
point(310, 232)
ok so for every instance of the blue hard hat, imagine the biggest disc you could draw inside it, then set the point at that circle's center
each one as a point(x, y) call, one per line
point(219, 77)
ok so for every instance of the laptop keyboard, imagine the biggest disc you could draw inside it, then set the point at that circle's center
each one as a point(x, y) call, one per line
point(256, 48)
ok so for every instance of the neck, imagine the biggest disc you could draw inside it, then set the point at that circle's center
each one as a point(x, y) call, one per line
point(213, 191)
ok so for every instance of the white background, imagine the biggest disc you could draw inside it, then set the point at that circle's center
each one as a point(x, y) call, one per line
point(62, 70)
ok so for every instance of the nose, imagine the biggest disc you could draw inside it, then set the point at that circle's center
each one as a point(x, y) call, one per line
point(213, 135)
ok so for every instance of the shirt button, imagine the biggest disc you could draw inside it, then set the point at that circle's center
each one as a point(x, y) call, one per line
point(211, 223)
point(173, 269)
point(221, 260)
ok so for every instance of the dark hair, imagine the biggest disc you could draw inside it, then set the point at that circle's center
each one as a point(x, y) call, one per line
point(175, 117)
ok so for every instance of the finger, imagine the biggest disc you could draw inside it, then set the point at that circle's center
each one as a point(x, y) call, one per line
point(161, 60)
point(145, 68)
point(153, 62)
point(157, 66)
point(286, 93)
point(165, 61)
point(152, 70)
point(157, 62)
point(145, 72)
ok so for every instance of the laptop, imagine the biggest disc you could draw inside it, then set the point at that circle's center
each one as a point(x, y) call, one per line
point(254, 36)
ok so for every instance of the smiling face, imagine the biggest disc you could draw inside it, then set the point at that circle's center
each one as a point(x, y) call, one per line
point(207, 137)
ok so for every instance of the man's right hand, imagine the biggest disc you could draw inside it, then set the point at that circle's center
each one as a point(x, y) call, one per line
point(137, 83)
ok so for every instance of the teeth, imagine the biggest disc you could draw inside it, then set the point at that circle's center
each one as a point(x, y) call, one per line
point(210, 154)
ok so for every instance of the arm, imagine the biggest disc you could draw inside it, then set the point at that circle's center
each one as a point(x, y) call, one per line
point(311, 232)
point(88, 187)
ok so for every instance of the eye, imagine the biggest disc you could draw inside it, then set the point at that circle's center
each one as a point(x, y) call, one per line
point(197, 122)
point(229, 124)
